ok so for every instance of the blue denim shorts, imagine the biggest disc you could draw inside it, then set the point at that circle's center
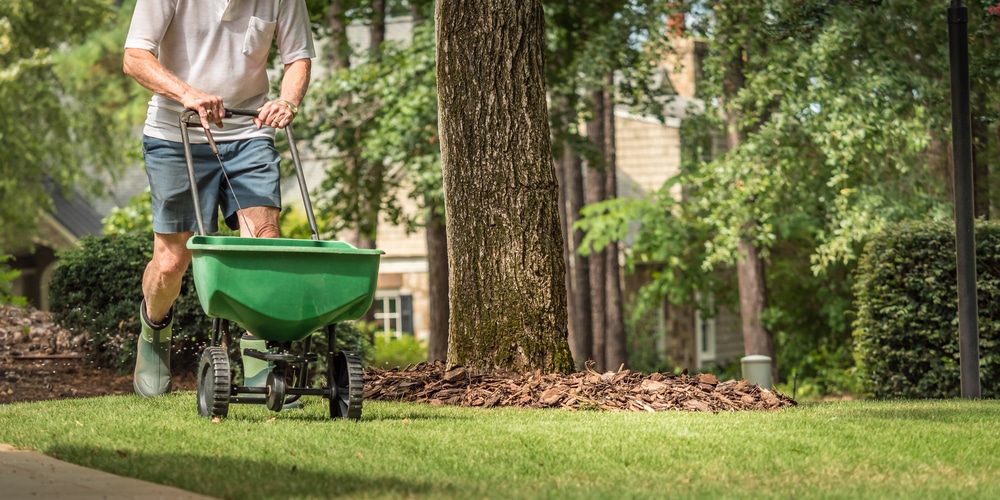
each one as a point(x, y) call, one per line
point(253, 181)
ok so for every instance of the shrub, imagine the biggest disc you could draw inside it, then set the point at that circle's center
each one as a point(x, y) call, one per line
point(7, 277)
point(97, 289)
point(398, 352)
point(906, 332)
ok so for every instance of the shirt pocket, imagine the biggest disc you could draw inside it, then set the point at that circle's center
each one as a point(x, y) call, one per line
point(258, 39)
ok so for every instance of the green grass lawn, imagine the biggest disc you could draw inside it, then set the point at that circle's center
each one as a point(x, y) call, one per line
point(912, 449)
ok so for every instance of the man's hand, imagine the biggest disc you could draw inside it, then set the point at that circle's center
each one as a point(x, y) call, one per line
point(209, 107)
point(277, 114)
point(281, 112)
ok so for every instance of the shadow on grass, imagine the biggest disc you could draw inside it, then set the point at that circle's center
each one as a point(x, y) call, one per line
point(224, 477)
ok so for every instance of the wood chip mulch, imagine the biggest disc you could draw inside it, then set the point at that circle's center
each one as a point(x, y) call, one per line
point(622, 390)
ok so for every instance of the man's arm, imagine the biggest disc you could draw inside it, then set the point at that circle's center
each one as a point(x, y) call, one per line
point(294, 83)
point(143, 67)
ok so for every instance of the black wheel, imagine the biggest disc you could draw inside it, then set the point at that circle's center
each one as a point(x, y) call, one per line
point(275, 391)
point(346, 386)
point(213, 383)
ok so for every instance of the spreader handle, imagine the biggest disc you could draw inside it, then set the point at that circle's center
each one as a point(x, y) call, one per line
point(190, 117)
point(240, 112)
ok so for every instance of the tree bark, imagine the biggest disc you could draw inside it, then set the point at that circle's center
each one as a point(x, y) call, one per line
point(749, 265)
point(507, 294)
point(437, 278)
point(582, 342)
point(594, 192)
point(616, 352)
point(753, 301)
point(377, 28)
point(564, 230)
point(340, 50)
point(417, 10)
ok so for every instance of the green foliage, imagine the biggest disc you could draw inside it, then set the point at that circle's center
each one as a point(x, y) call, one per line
point(906, 332)
point(836, 116)
point(378, 117)
point(97, 289)
point(7, 276)
point(60, 102)
point(398, 352)
point(135, 217)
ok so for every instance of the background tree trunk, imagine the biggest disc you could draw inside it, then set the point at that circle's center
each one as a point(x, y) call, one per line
point(437, 281)
point(340, 51)
point(749, 265)
point(377, 27)
point(615, 352)
point(582, 341)
point(595, 191)
point(507, 294)
point(564, 230)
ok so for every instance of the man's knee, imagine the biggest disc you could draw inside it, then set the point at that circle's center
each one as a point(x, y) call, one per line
point(259, 222)
point(171, 256)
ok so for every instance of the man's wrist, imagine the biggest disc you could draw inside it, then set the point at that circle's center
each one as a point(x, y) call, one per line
point(291, 106)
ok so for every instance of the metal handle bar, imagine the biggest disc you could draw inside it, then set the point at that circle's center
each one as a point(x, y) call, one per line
point(190, 117)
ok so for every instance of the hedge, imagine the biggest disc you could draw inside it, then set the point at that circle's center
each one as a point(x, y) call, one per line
point(97, 289)
point(906, 332)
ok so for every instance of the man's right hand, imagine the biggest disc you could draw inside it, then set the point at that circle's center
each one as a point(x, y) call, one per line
point(209, 107)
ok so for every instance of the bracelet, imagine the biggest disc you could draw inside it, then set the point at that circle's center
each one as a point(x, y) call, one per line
point(291, 107)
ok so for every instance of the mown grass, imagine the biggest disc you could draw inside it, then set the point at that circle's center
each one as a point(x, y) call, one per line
point(901, 449)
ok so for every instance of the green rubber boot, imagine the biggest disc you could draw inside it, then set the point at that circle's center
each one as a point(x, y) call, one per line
point(255, 371)
point(152, 359)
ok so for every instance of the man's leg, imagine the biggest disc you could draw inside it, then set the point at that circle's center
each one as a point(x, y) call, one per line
point(161, 284)
point(256, 222)
point(259, 222)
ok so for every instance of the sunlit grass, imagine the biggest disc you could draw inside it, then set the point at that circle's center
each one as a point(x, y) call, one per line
point(928, 449)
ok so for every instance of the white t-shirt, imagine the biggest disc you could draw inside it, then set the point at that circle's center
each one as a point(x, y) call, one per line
point(219, 47)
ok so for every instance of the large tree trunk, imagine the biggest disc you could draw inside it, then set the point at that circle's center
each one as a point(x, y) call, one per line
point(594, 192)
point(507, 294)
point(437, 281)
point(616, 353)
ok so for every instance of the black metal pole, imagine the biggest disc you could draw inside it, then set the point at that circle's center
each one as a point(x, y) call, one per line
point(965, 236)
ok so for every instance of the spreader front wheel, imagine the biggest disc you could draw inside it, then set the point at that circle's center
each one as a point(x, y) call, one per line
point(346, 386)
point(213, 383)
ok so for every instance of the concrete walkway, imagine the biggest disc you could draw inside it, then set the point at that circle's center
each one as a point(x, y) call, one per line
point(29, 474)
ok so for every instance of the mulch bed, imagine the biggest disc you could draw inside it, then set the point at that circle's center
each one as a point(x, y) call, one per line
point(622, 390)
point(39, 361)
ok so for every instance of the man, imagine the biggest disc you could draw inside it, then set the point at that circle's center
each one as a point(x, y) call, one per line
point(207, 55)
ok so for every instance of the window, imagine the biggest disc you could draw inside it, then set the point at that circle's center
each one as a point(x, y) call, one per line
point(393, 313)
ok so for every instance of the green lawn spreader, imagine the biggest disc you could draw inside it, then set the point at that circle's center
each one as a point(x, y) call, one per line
point(282, 290)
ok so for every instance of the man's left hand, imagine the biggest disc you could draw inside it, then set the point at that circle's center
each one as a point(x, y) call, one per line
point(276, 114)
